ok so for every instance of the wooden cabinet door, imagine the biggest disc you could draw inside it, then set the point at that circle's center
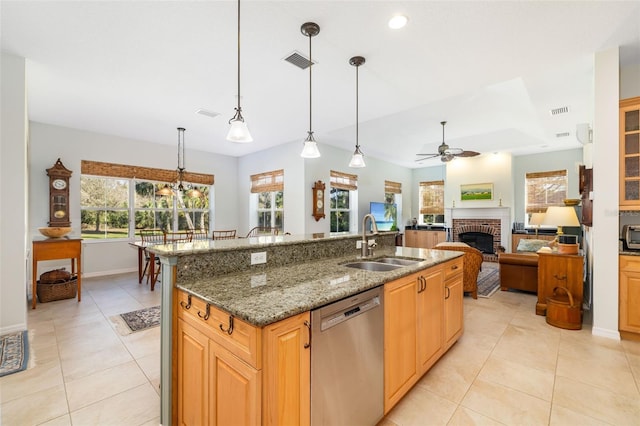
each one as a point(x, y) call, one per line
point(629, 296)
point(559, 270)
point(411, 238)
point(453, 310)
point(192, 375)
point(234, 389)
point(630, 154)
point(400, 331)
point(439, 237)
point(430, 318)
point(287, 363)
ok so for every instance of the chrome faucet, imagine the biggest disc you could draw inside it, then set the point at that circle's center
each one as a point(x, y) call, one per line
point(366, 249)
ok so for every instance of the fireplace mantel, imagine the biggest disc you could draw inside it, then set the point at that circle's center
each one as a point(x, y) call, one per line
point(502, 213)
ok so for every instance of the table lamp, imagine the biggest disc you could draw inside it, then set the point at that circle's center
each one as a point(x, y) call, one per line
point(561, 216)
point(536, 220)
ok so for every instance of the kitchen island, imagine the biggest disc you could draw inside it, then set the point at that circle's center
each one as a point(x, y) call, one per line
point(235, 341)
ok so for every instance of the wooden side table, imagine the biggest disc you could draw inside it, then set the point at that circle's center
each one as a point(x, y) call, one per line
point(559, 270)
point(53, 249)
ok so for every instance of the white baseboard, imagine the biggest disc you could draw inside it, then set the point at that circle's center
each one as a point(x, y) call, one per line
point(605, 332)
point(106, 273)
point(13, 328)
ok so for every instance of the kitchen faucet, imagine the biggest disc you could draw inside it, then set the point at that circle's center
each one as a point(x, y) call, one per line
point(366, 250)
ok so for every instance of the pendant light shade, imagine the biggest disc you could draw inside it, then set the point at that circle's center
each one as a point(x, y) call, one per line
point(310, 148)
point(239, 132)
point(357, 160)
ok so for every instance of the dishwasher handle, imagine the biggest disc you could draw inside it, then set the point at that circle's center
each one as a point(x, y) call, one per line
point(350, 312)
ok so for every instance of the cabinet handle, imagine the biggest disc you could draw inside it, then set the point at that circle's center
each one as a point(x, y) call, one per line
point(448, 293)
point(207, 313)
point(454, 267)
point(564, 277)
point(424, 283)
point(229, 329)
point(188, 304)
point(308, 344)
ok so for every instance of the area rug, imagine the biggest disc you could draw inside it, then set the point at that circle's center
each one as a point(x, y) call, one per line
point(139, 320)
point(488, 279)
point(14, 352)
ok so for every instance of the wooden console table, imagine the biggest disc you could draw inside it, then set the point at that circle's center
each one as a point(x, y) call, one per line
point(53, 249)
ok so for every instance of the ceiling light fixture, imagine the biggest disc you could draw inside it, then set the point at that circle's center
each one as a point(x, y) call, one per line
point(398, 21)
point(239, 132)
point(310, 148)
point(178, 185)
point(357, 160)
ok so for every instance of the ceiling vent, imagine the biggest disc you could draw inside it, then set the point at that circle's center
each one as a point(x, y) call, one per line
point(211, 114)
point(561, 110)
point(299, 60)
point(563, 135)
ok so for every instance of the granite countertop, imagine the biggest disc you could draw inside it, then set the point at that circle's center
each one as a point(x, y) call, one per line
point(630, 252)
point(266, 296)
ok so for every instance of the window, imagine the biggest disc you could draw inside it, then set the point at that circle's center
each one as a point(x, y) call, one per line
point(342, 194)
point(117, 200)
point(432, 202)
point(393, 201)
point(268, 196)
point(545, 189)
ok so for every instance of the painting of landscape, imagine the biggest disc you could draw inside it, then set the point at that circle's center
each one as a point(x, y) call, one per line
point(476, 191)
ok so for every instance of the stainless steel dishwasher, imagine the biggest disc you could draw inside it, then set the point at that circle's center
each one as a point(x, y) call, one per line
point(347, 361)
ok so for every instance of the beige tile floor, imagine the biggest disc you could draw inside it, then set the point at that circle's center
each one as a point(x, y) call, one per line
point(510, 367)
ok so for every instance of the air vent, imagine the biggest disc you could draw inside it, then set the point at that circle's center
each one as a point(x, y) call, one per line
point(299, 60)
point(563, 135)
point(211, 114)
point(561, 110)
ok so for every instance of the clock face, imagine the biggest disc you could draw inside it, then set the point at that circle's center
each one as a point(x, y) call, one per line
point(319, 204)
point(59, 214)
point(59, 184)
point(319, 195)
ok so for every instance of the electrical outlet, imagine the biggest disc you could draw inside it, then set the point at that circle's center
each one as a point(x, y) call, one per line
point(359, 244)
point(371, 242)
point(259, 257)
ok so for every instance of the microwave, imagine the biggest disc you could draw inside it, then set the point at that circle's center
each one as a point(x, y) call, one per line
point(631, 236)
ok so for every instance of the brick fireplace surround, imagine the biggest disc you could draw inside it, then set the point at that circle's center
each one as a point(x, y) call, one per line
point(491, 220)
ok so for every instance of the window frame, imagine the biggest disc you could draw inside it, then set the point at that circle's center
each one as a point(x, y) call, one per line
point(550, 177)
point(344, 182)
point(436, 207)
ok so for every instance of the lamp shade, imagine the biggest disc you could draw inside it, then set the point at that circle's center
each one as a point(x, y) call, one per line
point(561, 216)
point(310, 149)
point(239, 132)
point(536, 219)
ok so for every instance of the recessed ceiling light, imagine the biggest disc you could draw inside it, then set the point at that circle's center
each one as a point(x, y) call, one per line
point(211, 114)
point(398, 21)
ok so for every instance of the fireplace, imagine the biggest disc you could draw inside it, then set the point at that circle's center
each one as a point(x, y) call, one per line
point(481, 240)
point(494, 221)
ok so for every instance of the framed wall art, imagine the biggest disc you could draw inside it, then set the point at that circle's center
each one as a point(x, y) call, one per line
point(476, 192)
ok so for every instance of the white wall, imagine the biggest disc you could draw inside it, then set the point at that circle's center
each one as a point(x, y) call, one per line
point(13, 198)
point(630, 81)
point(606, 198)
point(48, 143)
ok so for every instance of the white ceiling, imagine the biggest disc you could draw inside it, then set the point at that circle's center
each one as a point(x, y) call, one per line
point(493, 70)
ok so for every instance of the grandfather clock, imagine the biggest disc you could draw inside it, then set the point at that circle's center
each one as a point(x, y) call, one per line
point(59, 195)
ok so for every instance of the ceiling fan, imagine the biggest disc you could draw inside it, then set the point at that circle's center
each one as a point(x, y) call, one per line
point(446, 153)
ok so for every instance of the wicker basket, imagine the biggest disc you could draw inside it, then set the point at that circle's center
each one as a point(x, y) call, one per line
point(48, 292)
point(56, 276)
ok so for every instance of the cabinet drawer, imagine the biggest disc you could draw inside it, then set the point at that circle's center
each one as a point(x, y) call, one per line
point(244, 340)
point(630, 263)
point(453, 268)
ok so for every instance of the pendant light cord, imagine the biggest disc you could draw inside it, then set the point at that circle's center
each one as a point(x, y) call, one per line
point(238, 55)
point(357, 91)
point(310, 66)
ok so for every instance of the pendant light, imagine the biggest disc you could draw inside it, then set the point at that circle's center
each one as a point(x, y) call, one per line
point(357, 160)
point(238, 132)
point(310, 148)
point(179, 186)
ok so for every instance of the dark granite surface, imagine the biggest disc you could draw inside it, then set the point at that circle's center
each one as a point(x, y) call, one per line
point(265, 296)
point(630, 252)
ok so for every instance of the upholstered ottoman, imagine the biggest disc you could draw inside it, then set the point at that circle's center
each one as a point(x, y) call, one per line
point(518, 271)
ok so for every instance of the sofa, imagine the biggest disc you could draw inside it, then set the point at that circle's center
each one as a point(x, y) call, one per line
point(471, 264)
point(519, 270)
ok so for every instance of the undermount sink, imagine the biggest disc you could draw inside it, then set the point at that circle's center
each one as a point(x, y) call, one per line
point(373, 266)
point(381, 265)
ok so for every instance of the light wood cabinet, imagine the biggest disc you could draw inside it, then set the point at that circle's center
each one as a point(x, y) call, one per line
point(630, 154)
point(416, 320)
point(515, 239)
point(629, 296)
point(423, 239)
point(559, 270)
point(243, 375)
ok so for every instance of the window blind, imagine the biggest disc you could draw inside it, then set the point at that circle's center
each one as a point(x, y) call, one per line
point(545, 189)
point(268, 181)
point(432, 197)
point(392, 187)
point(98, 168)
point(344, 181)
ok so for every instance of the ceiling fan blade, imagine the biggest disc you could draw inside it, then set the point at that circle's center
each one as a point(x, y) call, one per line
point(467, 154)
point(428, 156)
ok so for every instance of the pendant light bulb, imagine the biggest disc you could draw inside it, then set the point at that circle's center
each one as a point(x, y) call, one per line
point(357, 159)
point(239, 132)
point(310, 147)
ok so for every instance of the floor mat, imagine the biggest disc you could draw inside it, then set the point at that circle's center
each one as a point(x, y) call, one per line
point(488, 279)
point(139, 320)
point(14, 352)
